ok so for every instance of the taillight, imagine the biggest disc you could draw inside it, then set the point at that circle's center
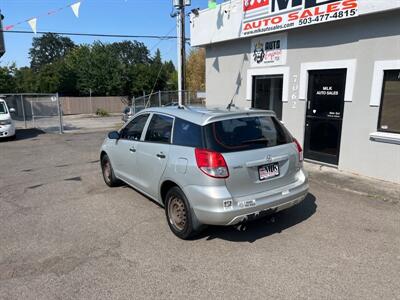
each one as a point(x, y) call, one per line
point(211, 163)
point(299, 150)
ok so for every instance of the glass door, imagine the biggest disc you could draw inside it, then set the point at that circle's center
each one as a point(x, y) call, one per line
point(324, 115)
point(267, 93)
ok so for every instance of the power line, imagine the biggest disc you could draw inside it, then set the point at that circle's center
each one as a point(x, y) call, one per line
point(161, 40)
point(165, 37)
point(158, 76)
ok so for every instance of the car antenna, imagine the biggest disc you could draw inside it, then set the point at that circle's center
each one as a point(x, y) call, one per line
point(230, 105)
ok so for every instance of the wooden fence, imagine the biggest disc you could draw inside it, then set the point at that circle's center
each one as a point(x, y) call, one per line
point(89, 105)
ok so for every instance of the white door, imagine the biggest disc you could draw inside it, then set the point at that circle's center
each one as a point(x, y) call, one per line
point(124, 153)
point(152, 153)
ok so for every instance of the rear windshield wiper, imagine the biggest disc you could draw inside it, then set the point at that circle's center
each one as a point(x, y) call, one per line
point(255, 141)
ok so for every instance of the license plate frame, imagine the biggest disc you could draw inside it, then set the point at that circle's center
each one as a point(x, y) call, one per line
point(269, 171)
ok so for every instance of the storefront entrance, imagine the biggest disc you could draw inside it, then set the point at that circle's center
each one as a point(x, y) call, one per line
point(267, 93)
point(324, 115)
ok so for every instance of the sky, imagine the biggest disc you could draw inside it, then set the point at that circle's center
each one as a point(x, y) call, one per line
point(130, 17)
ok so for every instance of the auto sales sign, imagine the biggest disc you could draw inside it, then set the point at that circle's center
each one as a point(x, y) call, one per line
point(266, 16)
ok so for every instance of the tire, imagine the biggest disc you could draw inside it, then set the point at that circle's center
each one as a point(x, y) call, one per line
point(108, 172)
point(11, 138)
point(180, 218)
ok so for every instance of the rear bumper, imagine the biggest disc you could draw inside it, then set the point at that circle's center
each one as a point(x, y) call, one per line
point(7, 131)
point(208, 202)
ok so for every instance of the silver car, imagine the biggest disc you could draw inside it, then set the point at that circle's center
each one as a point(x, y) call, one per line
point(207, 167)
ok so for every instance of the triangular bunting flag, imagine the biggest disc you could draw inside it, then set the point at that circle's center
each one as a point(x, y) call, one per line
point(9, 27)
point(212, 4)
point(75, 8)
point(32, 23)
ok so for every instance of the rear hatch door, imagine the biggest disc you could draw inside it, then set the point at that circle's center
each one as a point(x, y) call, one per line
point(260, 153)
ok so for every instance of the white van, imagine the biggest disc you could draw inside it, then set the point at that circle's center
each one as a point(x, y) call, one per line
point(7, 125)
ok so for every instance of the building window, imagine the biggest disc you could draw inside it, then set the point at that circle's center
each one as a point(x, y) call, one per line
point(389, 117)
point(267, 93)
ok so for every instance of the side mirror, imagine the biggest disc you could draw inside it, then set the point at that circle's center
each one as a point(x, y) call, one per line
point(113, 135)
point(12, 110)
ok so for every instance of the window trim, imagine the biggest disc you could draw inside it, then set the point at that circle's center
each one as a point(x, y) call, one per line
point(381, 106)
point(278, 71)
point(143, 138)
point(280, 76)
point(376, 99)
point(377, 81)
point(385, 137)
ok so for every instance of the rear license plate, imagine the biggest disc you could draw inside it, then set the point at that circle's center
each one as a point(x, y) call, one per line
point(268, 171)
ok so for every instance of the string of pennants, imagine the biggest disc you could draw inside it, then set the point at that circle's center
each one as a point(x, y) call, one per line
point(212, 4)
point(33, 21)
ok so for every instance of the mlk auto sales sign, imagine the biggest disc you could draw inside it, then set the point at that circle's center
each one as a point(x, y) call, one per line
point(265, 16)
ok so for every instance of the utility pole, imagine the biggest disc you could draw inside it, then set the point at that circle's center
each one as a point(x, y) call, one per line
point(181, 45)
point(90, 101)
point(2, 46)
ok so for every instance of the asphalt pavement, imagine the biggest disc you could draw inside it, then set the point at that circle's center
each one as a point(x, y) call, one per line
point(65, 235)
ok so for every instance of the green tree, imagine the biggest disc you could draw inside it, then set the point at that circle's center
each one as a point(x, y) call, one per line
point(142, 79)
point(7, 79)
point(26, 80)
point(159, 74)
point(130, 53)
point(49, 79)
point(121, 68)
point(153, 76)
point(78, 61)
point(49, 48)
point(98, 69)
point(68, 78)
point(172, 74)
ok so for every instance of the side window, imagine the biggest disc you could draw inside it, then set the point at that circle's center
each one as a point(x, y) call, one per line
point(133, 131)
point(187, 134)
point(3, 109)
point(389, 120)
point(160, 129)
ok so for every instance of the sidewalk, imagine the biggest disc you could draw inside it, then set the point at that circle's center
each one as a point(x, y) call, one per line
point(73, 123)
point(372, 188)
point(90, 123)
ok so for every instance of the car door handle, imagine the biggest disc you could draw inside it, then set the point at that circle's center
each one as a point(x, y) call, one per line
point(132, 149)
point(161, 155)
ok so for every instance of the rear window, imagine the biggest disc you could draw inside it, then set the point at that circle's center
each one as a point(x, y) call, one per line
point(246, 134)
point(187, 134)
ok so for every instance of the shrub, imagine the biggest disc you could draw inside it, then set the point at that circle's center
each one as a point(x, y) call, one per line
point(102, 112)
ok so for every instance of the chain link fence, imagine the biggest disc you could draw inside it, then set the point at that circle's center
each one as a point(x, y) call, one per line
point(42, 111)
point(45, 111)
point(166, 98)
